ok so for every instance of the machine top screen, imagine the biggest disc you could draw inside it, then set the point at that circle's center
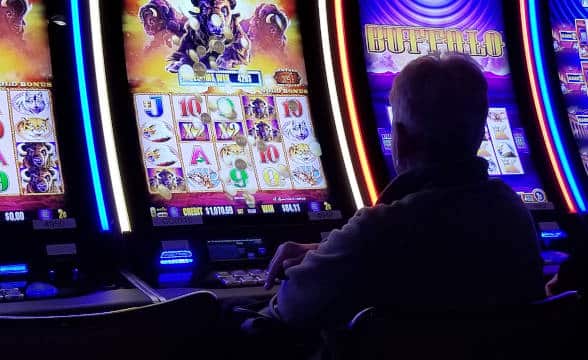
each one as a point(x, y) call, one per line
point(31, 183)
point(222, 110)
point(569, 21)
point(396, 32)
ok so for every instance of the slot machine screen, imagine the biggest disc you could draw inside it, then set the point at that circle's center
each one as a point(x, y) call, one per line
point(570, 43)
point(396, 32)
point(32, 190)
point(220, 95)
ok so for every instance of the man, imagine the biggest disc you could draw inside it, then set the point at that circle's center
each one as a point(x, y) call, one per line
point(442, 233)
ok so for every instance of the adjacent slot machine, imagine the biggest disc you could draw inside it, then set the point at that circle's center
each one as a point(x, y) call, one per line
point(225, 144)
point(48, 214)
point(393, 33)
point(569, 41)
point(558, 37)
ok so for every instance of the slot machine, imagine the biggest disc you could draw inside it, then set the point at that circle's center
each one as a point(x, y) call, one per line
point(225, 145)
point(382, 37)
point(52, 253)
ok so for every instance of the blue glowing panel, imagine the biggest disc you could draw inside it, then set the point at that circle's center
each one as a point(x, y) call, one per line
point(14, 269)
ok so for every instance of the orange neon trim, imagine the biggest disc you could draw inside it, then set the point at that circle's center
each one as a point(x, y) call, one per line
point(541, 117)
point(350, 101)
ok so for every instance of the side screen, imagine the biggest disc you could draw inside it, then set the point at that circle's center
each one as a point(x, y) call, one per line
point(222, 112)
point(31, 183)
point(399, 31)
point(569, 21)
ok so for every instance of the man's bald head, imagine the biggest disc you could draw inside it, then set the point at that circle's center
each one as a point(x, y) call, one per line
point(440, 102)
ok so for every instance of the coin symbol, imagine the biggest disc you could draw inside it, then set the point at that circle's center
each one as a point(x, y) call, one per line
point(241, 140)
point(218, 47)
point(205, 118)
point(201, 51)
point(240, 164)
point(199, 69)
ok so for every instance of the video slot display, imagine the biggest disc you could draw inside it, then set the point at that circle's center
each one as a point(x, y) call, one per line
point(31, 182)
point(222, 109)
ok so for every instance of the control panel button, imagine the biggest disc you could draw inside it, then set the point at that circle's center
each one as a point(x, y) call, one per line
point(222, 274)
point(247, 277)
point(13, 294)
point(231, 282)
point(249, 280)
point(239, 273)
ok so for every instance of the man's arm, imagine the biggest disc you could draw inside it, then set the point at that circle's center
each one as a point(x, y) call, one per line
point(325, 285)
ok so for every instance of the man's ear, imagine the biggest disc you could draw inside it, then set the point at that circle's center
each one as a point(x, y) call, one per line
point(405, 144)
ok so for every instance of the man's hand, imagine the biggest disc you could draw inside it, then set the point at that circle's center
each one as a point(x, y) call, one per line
point(288, 254)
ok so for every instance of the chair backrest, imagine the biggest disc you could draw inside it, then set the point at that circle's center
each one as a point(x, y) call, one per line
point(479, 333)
point(150, 331)
point(565, 300)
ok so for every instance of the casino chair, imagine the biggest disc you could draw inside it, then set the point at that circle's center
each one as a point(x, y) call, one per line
point(157, 331)
point(548, 329)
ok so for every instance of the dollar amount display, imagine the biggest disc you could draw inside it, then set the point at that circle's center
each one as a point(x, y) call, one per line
point(14, 216)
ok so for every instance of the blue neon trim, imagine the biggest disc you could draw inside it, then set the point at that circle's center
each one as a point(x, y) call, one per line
point(87, 118)
point(176, 261)
point(14, 269)
point(547, 99)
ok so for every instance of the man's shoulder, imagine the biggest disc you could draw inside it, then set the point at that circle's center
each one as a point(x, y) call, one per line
point(492, 188)
point(380, 218)
point(383, 212)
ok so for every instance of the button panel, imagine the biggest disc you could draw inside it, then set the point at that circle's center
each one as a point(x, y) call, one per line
point(242, 278)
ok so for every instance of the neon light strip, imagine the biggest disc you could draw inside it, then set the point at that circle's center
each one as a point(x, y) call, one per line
point(14, 269)
point(544, 107)
point(86, 117)
point(350, 99)
point(105, 115)
point(176, 261)
point(336, 106)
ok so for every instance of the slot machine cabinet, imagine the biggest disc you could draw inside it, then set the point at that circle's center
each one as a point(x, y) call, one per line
point(53, 254)
point(380, 38)
point(556, 33)
point(224, 136)
point(560, 33)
